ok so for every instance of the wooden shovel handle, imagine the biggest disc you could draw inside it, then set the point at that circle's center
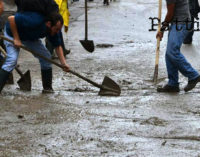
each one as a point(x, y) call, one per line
point(158, 43)
point(159, 27)
point(86, 21)
point(55, 63)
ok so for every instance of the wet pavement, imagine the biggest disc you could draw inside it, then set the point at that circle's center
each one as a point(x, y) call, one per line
point(75, 121)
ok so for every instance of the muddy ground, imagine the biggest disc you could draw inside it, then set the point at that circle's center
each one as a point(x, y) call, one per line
point(76, 122)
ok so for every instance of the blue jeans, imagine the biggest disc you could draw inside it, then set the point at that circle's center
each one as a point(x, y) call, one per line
point(13, 53)
point(175, 60)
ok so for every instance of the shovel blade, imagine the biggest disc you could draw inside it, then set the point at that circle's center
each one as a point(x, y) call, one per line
point(110, 88)
point(88, 45)
point(25, 81)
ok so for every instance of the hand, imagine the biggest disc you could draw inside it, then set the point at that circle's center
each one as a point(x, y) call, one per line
point(17, 43)
point(159, 35)
point(66, 68)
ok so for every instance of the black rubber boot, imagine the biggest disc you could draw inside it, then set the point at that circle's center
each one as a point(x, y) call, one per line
point(47, 81)
point(10, 79)
point(3, 78)
point(191, 84)
point(168, 89)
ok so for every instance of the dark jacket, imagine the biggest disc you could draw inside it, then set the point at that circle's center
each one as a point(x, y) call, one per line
point(31, 26)
point(194, 8)
point(41, 6)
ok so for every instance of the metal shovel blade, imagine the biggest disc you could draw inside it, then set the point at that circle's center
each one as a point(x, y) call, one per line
point(88, 45)
point(25, 81)
point(110, 88)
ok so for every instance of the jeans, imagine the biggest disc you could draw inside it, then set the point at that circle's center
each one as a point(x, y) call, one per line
point(175, 60)
point(13, 53)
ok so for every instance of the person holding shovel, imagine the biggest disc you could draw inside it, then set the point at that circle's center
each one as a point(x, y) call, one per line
point(7, 8)
point(27, 28)
point(177, 20)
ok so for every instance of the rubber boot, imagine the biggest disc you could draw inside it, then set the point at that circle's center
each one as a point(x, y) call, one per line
point(10, 78)
point(3, 78)
point(47, 81)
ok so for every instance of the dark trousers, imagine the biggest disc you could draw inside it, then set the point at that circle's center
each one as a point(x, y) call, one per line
point(50, 46)
point(188, 38)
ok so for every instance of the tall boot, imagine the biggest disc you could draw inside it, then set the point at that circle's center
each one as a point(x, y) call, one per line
point(47, 81)
point(3, 78)
point(10, 78)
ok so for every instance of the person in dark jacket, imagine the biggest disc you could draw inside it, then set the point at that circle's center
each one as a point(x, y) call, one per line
point(44, 7)
point(194, 10)
point(27, 28)
point(8, 8)
point(1, 7)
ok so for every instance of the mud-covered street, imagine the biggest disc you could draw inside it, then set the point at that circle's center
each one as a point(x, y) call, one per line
point(76, 122)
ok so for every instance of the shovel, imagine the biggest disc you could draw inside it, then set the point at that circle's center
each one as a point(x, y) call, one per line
point(87, 44)
point(25, 81)
point(108, 87)
point(155, 76)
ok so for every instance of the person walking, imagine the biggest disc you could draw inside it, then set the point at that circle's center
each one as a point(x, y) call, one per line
point(177, 20)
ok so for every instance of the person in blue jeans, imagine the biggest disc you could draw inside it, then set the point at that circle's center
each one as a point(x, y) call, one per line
point(178, 15)
point(194, 10)
point(7, 8)
point(28, 28)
